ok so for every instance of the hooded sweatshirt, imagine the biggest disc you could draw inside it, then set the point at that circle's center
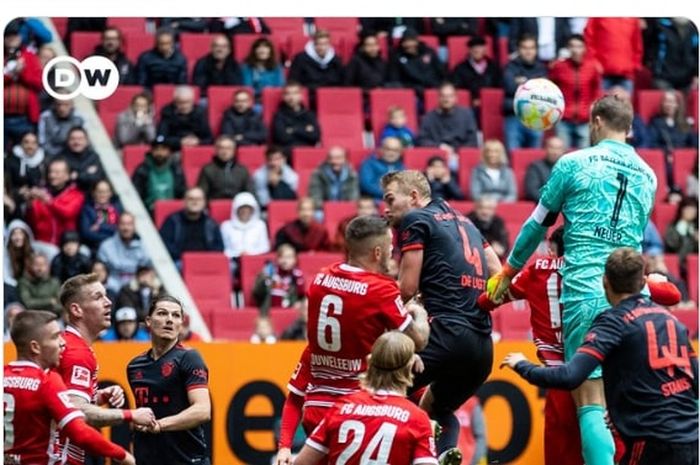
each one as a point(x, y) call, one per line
point(249, 238)
point(313, 71)
point(49, 250)
point(24, 170)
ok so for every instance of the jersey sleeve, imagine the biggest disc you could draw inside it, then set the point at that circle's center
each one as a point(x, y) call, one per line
point(391, 306)
point(301, 376)
point(605, 334)
point(195, 371)
point(414, 231)
point(76, 368)
point(519, 284)
point(424, 452)
point(57, 399)
point(555, 190)
point(320, 437)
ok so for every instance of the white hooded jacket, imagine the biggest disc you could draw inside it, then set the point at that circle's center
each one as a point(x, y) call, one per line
point(245, 238)
point(44, 248)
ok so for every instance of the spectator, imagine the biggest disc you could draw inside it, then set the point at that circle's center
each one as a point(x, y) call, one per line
point(682, 235)
point(223, 177)
point(442, 184)
point(638, 137)
point(386, 160)
point(671, 52)
point(185, 24)
point(37, 289)
point(45, 54)
point(135, 124)
point(159, 176)
point(294, 125)
point(579, 79)
point(19, 248)
point(99, 216)
point(56, 208)
point(183, 122)
point(616, 43)
point(280, 284)
point(446, 27)
point(651, 241)
point(318, 65)
point(275, 180)
point(334, 180)
point(365, 207)
point(262, 67)
point(22, 83)
point(84, 162)
point(111, 47)
point(493, 176)
point(551, 33)
point(392, 28)
point(264, 331)
point(25, 167)
point(54, 125)
point(191, 229)
point(669, 129)
point(140, 291)
point(242, 123)
point(396, 127)
point(122, 253)
point(691, 189)
point(33, 32)
point(218, 68)
point(12, 309)
point(413, 64)
point(125, 328)
point(231, 25)
point(538, 171)
point(476, 72)
point(297, 330)
point(490, 225)
point(69, 262)
point(367, 69)
point(304, 233)
point(449, 126)
point(163, 64)
point(518, 70)
point(244, 233)
point(102, 271)
point(186, 333)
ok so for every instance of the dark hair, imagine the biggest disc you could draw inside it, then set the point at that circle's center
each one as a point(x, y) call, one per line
point(685, 202)
point(145, 94)
point(74, 129)
point(271, 62)
point(321, 34)
point(436, 158)
point(165, 31)
point(273, 149)
point(111, 28)
point(525, 37)
point(557, 237)
point(578, 37)
point(72, 288)
point(360, 230)
point(616, 112)
point(27, 325)
point(164, 298)
point(624, 271)
point(59, 159)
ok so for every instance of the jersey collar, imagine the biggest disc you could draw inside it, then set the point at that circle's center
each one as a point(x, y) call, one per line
point(350, 268)
point(387, 392)
point(73, 330)
point(24, 363)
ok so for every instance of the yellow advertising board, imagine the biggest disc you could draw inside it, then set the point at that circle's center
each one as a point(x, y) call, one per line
point(248, 382)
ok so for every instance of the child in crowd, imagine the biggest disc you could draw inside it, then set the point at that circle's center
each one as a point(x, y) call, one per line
point(280, 284)
point(396, 127)
point(264, 332)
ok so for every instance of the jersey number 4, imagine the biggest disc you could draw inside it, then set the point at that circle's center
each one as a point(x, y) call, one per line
point(471, 254)
point(666, 356)
point(379, 446)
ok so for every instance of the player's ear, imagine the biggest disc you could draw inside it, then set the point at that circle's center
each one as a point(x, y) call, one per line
point(34, 347)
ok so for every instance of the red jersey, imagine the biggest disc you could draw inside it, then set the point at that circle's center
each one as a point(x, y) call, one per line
point(78, 368)
point(384, 427)
point(35, 404)
point(349, 308)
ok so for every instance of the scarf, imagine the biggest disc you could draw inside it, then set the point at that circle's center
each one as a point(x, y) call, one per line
point(337, 181)
point(26, 161)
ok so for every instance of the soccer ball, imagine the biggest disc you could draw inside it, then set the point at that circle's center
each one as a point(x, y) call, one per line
point(539, 104)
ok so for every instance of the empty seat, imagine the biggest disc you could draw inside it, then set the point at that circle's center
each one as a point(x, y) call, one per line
point(83, 43)
point(193, 159)
point(431, 99)
point(279, 213)
point(128, 25)
point(683, 163)
point(285, 25)
point(271, 98)
point(416, 158)
point(194, 47)
point(358, 155)
point(689, 318)
point(163, 95)
point(282, 318)
point(492, 119)
point(135, 43)
point(468, 159)
point(308, 158)
point(220, 209)
point(648, 103)
point(514, 320)
point(514, 214)
point(657, 162)
point(133, 156)
point(109, 108)
point(208, 277)
point(462, 206)
point(381, 100)
point(234, 324)
point(164, 208)
point(692, 278)
point(662, 215)
point(251, 156)
point(220, 99)
point(673, 264)
point(338, 26)
point(312, 262)
point(335, 212)
point(304, 180)
point(340, 116)
point(520, 159)
point(251, 266)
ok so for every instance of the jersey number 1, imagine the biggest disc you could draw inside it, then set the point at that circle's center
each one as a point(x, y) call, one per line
point(621, 191)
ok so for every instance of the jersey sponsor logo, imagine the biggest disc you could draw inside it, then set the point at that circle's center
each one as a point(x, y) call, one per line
point(141, 395)
point(167, 369)
point(80, 376)
point(389, 411)
point(65, 399)
point(138, 374)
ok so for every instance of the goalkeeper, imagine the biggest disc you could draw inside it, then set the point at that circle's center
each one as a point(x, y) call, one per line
point(606, 193)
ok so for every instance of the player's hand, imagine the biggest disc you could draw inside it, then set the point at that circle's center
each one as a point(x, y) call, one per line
point(284, 456)
point(415, 309)
point(143, 417)
point(498, 284)
point(114, 395)
point(128, 460)
point(418, 365)
point(656, 278)
point(513, 359)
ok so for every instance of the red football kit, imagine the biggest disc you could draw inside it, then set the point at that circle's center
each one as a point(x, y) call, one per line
point(383, 427)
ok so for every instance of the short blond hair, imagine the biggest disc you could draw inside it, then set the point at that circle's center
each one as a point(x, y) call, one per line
point(408, 180)
point(390, 365)
point(495, 144)
point(72, 290)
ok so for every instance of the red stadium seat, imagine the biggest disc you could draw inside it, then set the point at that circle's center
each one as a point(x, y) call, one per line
point(662, 215)
point(135, 43)
point(348, 46)
point(656, 160)
point(514, 214)
point(357, 156)
point(220, 209)
point(673, 264)
point(164, 208)
point(340, 116)
point(208, 278)
point(503, 55)
point(282, 318)
point(338, 26)
point(110, 107)
point(286, 25)
point(61, 25)
point(692, 107)
point(271, 98)
point(458, 50)
point(648, 103)
point(234, 324)
point(251, 266)
point(128, 25)
point(492, 116)
point(193, 159)
point(514, 320)
point(683, 163)
point(335, 212)
point(689, 318)
point(251, 156)
point(431, 99)
point(462, 206)
point(312, 262)
point(279, 213)
point(308, 158)
point(304, 180)
point(220, 99)
point(133, 156)
point(416, 158)
point(163, 95)
point(380, 100)
point(468, 159)
point(692, 278)
point(194, 47)
point(242, 44)
point(83, 43)
point(520, 159)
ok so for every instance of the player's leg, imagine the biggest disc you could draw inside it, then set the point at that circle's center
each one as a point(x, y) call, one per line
point(562, 439)
point(642, 452)
point(596, 438)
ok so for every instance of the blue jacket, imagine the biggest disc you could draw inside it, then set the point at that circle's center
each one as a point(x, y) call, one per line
point(88, 217)
point(371, 172)
point(173, 234)
point(258, 80)
point(111, 336)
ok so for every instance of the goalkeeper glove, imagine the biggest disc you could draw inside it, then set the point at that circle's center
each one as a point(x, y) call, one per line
point(498, 284)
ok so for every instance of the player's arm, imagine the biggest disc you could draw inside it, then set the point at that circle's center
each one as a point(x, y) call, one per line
point(493, 263)
point(98, 416)
point(292, 409)
point(516, 291)
point(316, 446)
point(197, 413)
point(409, 273)
point(568, 376)
point(413, 234)
point(419, 328)
point(662, 291)
point(85, 437)
point(309, 456)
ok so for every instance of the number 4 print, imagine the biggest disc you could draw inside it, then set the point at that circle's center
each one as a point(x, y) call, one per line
point(670, 355)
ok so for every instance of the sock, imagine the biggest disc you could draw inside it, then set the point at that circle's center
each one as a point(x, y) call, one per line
point(450, 431)
point(596, 439)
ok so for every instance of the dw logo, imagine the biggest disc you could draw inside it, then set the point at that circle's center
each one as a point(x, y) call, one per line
point(65, 77)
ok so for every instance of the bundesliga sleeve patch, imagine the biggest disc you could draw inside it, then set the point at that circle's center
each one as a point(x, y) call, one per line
point(400, 306)
point(80, 376)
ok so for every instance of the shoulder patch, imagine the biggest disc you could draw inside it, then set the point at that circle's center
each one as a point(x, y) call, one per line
point(80, 376)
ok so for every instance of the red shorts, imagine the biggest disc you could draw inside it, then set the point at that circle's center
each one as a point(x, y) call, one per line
point(311, 417)
point(562, 437)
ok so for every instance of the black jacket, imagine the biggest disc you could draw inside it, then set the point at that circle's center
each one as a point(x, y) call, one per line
point(33, 177)
point(152, 68)
point(87, 165)
point(140, 177)
point(518, 68)
point(64, 267)
point(173, 234)
point(456, 128)
point(421, 71)
point(295, 128)
point(520, 26)
point(207, 74)
point(465, 76)
point(444, 27)
point(366, 72)
point(245, 128)
point(223, 180)
point(127, 73)
point(494, 231)
point(174, 126)
point(446, 190)
point(309, 73)
point(671, 51)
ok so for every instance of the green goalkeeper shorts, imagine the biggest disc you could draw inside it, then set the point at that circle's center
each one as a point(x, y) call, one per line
point(577, 319)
